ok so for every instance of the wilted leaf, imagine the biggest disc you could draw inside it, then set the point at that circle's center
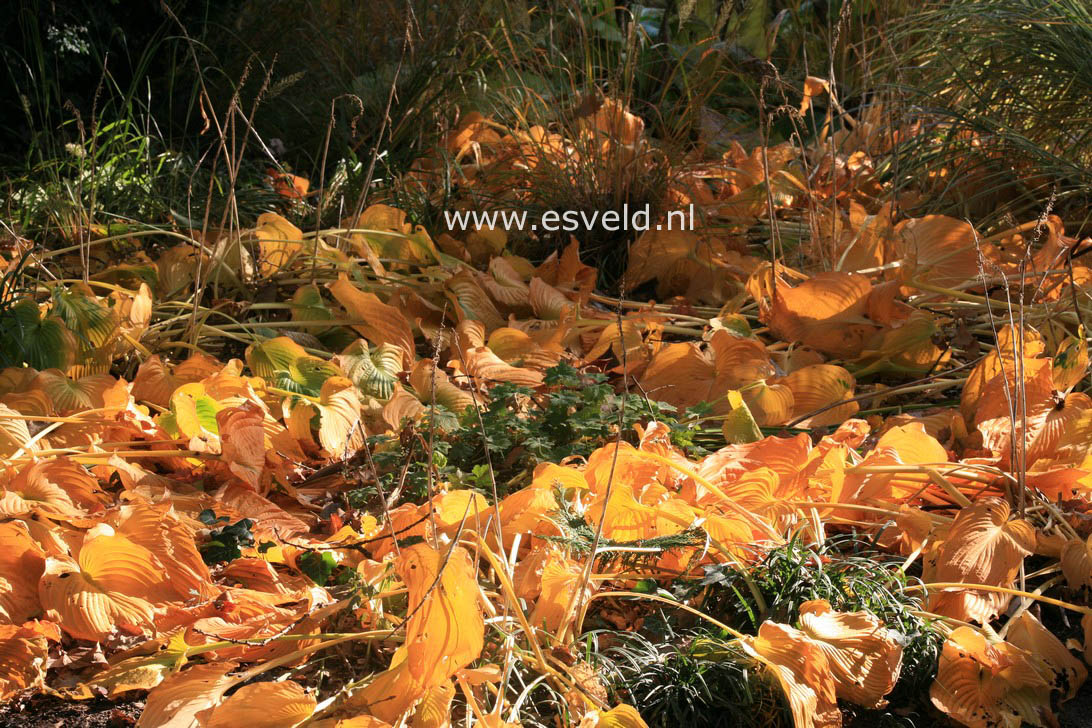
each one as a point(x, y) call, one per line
point(982, 547)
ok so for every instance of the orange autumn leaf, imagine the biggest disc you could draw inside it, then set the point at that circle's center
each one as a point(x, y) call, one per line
point(279, 241)
point(243, 442)
point(486, 368)
point(80, 596)
point(983, 685)
point(1060, 668)
point(941, 250)
point(560, 578)
point(803, 672)
point(22, 562)
point(826, 312)
point(288, 185)
point(983, 546)
point(380, 323)
point(434, 710)
point(23, 660)
point(818, 390)
point(176, 702)
point(263, 705)
point(865, 658)
point(446, 631)
point(59, 488)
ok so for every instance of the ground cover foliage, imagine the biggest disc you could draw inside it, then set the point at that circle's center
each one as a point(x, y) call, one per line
point(291, 451)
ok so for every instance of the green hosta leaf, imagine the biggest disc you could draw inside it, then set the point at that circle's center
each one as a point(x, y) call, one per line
point(373, 371)
point(270, 357)
point(310, 372)
point(739, 425)
point(25, 337)
point(93, 322)
point(192, 411)
point(1071, 361)
point(308, 305)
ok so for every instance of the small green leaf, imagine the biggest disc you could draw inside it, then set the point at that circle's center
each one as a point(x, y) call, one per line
point(318, 566)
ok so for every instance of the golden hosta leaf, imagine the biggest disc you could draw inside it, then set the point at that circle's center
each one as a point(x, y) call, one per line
point(459, 507)
point(1064, 671)
point(402, 406)
point(624, 518)
point(1063, 434)
point(1076, 560)
point(430, 382)
point(446, 631)
point(983, 685)
point(907, 348)
point(155, 384)
point(176, 702)
point(434, 710)
point(279, 241)
point(620, 716)
point(176, 268)
point(941, 250)
point(547, 302)
point(739, 361)
point(390, 693)
point(382, 324)
point(263, 705)
point(14, 433)
point(1002, 424)
point(656, 251)
point(817, 387)
point(982, 547)
point(901, 445)
point(159, 529)
point(560, 579)
point(865, 658)
point(470, 302)
point(825, 312)
point(76, 596)
point(21, 564)
point(243, 442)
point(486, 367)
point(1002, 359)
point(339, 415)
point(268, 358)
point(769, 404)
point(23, 659)
point(526, 510)
point(681, 375)
point(505, 285)
point(52, 487)
point(803, 672)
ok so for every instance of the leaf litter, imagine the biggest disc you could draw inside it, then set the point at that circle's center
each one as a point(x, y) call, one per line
point(413, 488)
